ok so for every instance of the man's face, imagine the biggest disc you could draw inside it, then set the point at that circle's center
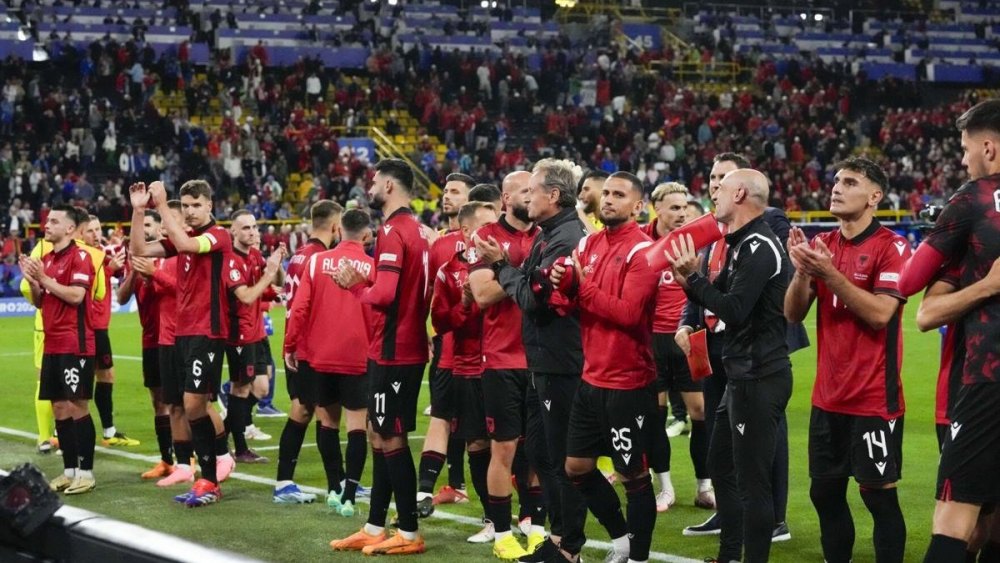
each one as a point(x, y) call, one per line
point(590, 195)
point(718, 172)
point(620, 202)
point(724, 199)
point(539, 199)
point(91, 233)
point(150, 229)
point(515, 200)
point(852, 194)
point(483, 216)
point(197, 211)
point(378, 193)
point(58, 226)
point(245, 230)
point(977, 148)
point(671, 211)
point(693, 212)
point(456, 194)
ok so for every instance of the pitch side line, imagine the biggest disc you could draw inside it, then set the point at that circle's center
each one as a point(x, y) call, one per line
point(438, 513)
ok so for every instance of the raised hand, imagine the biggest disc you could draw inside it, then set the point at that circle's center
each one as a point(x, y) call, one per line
point(139, 195)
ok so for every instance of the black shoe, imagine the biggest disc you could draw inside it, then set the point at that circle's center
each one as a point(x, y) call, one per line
point(546, 552)
point(425, 507)
point(710, 527)
point(781, 533)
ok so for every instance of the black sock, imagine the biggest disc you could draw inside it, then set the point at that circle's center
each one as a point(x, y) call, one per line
point(403, 476)
point(66, 430)
point(539, 512)
point(659, 450)
point(603, 502)
point(479, 464)
point(221, 443)
point(357, 450)
point(699, 449)
point(237, 423)
point(203, 438)
point(431, 463)
point(990, 553)
point(251, 402)
point(890, 529)
point(381, 490)
point(328, 443)
point(184, 450)
point(945, 550)
point(103, 401)
point(519, 469)
point(456, 462)
point(162, 425)
point(836, 525)
point(641, 510)
point(498, 511)
point(86, 438)
point(289, 448)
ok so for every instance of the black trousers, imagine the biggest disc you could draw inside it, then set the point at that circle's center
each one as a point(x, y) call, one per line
point(740, 460)
point(567, 507)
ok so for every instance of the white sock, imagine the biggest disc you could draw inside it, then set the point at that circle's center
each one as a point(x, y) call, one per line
point(283, 484)
point(537, 529)
point(422, 496)
point(665, 484)
point(89, 474)
point(373, 530)
point(637, 561)
point(621, 545)
point(110, 432)
point(501, 535)
point(409, 536)
point(704, 485)
point(70, 472)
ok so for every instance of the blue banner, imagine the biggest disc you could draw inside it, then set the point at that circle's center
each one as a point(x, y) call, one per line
point(646, 36)
point(19, 307)
point(362, 147)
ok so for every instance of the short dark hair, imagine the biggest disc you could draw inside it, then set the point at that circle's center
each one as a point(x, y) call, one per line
point(867, 168)
point(154, 215)
point(323, 211)
point(469, 181)
point(239, 213)
point(486, 193)
point(469, 210)
point(80, 215)
point(355, 221)
point(738, 159)
point(984, 116)
point(632, 179)
point(72, 213)
point(175, 204)
point(399, 170)
point(697, 205)
point(596, 173)
point(197, 188)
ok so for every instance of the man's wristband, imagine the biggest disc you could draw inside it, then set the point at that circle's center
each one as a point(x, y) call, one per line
point(498, 265)
point(693, 278)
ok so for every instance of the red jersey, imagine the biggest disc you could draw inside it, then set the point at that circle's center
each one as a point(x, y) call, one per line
point(246, 324)
point(858, 367)
point(165, 287)
point(202, 308)
point(399, 295)
point(670, 296)
point(147, 301)
point(442, 251)
point(503, 347)
point(296, 266)
point(952, 359)
point(68, 328)
point(319, 299)
point(617, 298)
point(463, 324)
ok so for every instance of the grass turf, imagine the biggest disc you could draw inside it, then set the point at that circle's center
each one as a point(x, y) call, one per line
point(247, 522)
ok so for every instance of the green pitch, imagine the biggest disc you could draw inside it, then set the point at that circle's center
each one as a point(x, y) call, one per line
point(247, 522)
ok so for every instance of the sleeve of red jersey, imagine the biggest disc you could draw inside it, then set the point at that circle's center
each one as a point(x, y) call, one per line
point(165, 277)
point(447, 314)
point(639, 290)
point(83, 271)
point(168, 248)
point(300, 308)
point(949, 237)
point(889, 267)
point(389, 265)
point(233, 275)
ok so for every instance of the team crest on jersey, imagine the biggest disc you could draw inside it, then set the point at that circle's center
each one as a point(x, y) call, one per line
point(234, 275)
point(471, 255)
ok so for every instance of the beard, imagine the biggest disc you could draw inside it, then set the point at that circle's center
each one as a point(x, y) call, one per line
point(520, 212)
point(151, 238)
point(377, 202)
point(612, 221)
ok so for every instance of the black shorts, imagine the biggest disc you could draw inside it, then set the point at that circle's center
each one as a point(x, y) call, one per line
point(468, 420)
point(442, 394)
point(672, 372)
point(392, 400)
point(265, 351)
point(151, 368)
point(970, 457)
point(247, 361)
point(613, 422)
point(171, 376)
point(319, 389)
point(505, 392)
point(66, 377)
point(200, 360)
point(869, 448)
point(102, 346)
point(941, 430)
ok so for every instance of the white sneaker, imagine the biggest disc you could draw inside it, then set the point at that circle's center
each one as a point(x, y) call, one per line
point(524, 526)
point(486, 535)
point(676, 428)
point(665, 499)
point(254, 433)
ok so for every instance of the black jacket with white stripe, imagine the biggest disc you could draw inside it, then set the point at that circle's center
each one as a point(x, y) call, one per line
point(749, 295)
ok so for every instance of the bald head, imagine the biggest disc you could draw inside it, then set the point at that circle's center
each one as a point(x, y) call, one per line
point(742, 195)
point(515, 180)
point(515, 195)
point(754, 182)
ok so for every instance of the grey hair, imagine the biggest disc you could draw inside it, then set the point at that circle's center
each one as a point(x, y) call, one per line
point(562, 175)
